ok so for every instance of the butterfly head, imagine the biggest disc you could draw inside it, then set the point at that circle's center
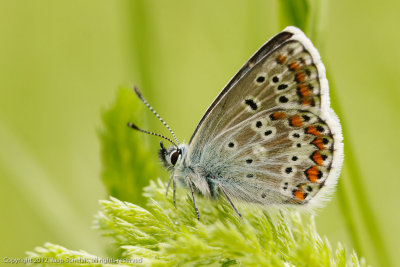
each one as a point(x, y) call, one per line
point(172, 156)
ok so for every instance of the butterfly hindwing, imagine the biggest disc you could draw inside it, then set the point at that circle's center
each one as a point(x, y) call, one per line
point(247, 140)
point(284, 154)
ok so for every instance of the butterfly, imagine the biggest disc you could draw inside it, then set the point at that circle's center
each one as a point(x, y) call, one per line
point(269, 138)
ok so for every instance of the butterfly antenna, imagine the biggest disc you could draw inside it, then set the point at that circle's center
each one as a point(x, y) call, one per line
point(155, 113)
point(133, 126)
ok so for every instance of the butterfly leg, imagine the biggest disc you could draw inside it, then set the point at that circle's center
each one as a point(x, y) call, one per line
point(194, 199)
point(230, 201)
point(174, 192)
point(171, 177)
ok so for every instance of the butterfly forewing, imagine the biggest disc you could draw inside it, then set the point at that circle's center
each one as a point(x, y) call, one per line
point(257, 57)
point(270, 136)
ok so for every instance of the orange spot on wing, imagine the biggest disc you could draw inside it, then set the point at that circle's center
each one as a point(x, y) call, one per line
point(281, 59)
point(278, 115)
point(312, 130)
point(306, 102)
point(296, 121)
point(300, 77)
point(294, 66)
point(299, 195)
point(317, 158)
point(318, 142)
point(303, 90)
point(312, 174)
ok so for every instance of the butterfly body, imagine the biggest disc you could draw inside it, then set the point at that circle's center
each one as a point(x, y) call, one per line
point(270, 137)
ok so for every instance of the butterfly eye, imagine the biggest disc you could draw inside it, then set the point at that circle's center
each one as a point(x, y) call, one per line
point(174, 157)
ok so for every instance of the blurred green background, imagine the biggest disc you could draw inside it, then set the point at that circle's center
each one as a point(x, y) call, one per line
point(62, 62)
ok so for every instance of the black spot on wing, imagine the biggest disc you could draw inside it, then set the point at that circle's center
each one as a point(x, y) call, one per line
point(251, 104)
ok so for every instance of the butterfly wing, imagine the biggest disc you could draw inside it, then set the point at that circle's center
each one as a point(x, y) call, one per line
point(270, 137)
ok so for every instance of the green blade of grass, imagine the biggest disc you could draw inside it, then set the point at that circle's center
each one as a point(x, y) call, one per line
point(294, 13)
point(357, 190)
